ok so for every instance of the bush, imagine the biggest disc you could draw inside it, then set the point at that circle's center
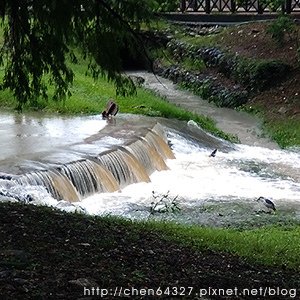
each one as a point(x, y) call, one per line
point(223, 97)
point(259, 75)
point(278, 28)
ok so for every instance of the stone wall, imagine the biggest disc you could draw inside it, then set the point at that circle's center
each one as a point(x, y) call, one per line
point(247, 76)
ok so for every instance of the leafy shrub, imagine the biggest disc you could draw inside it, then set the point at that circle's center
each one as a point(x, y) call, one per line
point(258, 75)
point(278, 28)
point(222, 97)
point(164, 204)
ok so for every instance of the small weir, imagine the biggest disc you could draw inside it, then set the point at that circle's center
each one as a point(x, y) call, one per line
point(126, 167)
point(106, 172)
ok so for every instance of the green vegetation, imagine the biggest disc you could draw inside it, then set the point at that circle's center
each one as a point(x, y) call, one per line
point(186, 63)
point(41, 37)
point(285, 132)
point(122, 252)
point(200, 41)
point(280, 27)
point(166, 6)
point(50, 252)
point(258, 74)
point(255, 75)
point(252, 73)
point(221, 97)
point(268, 245)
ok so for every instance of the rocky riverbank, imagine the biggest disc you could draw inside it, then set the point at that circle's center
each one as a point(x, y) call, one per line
point(240, 67)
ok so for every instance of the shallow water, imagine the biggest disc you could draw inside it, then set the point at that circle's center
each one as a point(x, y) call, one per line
point(34, 137)
point(246, 127)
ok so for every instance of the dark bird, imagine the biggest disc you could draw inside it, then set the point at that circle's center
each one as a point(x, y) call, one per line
point(267, 203)
point(112, 109)
point(213, 154)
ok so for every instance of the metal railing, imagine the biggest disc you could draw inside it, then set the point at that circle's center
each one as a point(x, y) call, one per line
point(239, 6)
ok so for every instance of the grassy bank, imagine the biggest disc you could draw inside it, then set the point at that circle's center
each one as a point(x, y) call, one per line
point(285, 132)
point(268, 245)
point(47, 253)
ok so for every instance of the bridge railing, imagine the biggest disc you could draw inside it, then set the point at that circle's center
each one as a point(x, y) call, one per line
point(239, 6)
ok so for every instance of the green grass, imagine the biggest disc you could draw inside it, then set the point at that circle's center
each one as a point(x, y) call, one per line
point(193, 64)
point(52, 248)
point(285, 132)
point(186, 63)
point(268, 245)
point(178, 33)
point(159, 24)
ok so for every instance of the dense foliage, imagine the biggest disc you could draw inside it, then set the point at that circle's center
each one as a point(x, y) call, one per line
point(280, 27)
point(167, 5)
point(40, 37)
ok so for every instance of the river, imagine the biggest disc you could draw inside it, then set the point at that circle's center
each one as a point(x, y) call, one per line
point(188, 185)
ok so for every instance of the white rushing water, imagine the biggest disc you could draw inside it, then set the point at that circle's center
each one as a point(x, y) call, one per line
point(194, 178)
point(239, 174)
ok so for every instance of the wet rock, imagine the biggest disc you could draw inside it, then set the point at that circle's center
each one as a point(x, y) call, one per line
point(253, 76)
point(15, 196)
point(6, 176)
point(206, 86)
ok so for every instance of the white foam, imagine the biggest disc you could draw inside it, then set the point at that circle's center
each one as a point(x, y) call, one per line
point(195, 177)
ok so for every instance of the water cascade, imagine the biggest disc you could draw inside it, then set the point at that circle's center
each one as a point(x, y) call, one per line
point(107, 172)
point(122, 168)
point(57, 184)
point(89, 177)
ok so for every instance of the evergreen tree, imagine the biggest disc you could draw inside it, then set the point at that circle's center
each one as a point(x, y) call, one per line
point(41, 36)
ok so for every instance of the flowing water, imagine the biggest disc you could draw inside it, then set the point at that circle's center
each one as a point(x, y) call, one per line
point(220, 190)
point(246, 127)
point(142, 168)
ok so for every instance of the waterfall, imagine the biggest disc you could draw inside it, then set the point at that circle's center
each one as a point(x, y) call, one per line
point(158, 143)
point(107, 172)
point(55, 183)
point(88, 177)
point(124, 167)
